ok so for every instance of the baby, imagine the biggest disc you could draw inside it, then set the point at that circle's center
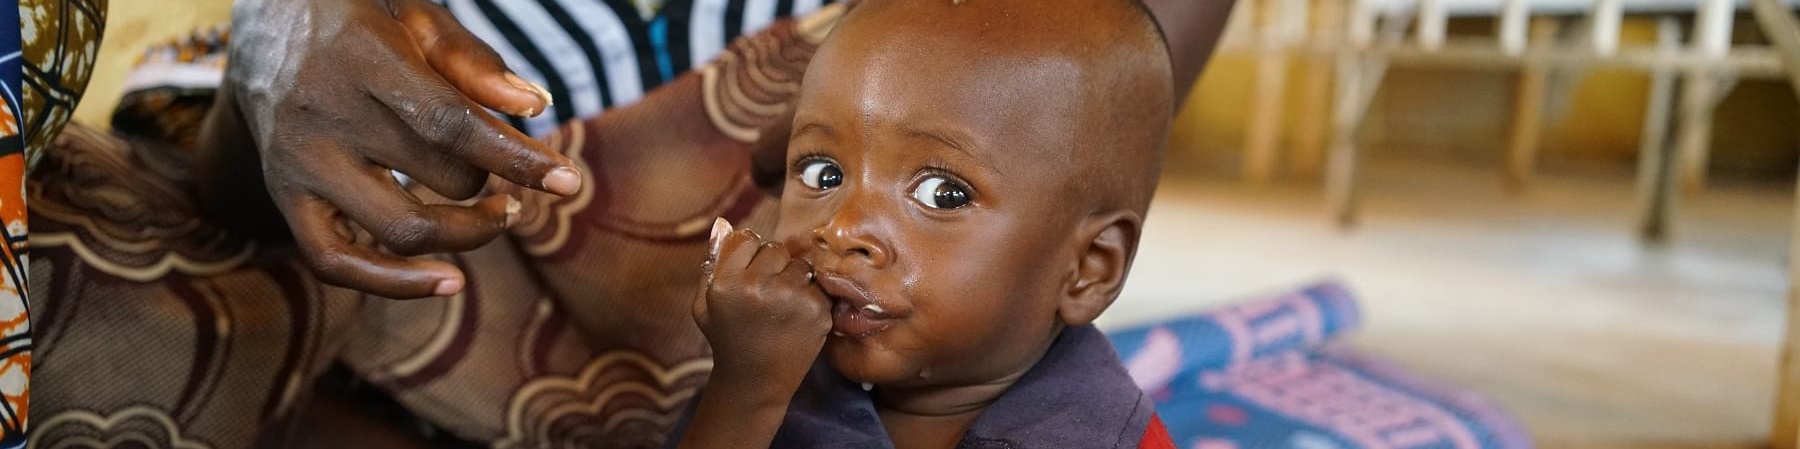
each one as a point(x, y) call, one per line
point(967, 182)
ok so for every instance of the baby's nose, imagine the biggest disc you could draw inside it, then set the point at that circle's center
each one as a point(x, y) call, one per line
point(851, 243)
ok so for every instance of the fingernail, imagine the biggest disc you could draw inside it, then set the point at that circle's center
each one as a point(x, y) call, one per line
point(534, 89)
point(448, 287)
point(519, 83)
point(544, 94)
point(513, 206)
point(563, 181)
point(719, 230)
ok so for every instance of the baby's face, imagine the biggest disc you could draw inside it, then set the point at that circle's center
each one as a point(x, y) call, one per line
point(929, 185)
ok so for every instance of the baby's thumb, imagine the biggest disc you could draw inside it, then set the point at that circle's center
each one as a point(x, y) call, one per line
point(714, 244)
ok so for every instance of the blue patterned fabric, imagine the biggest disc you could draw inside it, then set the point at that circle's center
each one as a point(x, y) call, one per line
point(1266, 374)
point(15, 331)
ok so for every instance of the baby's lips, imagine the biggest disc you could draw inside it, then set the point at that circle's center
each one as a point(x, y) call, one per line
point(716, 242)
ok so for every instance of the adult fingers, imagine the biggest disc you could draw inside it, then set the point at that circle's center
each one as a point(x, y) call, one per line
point(337, 261)
point(453, 124)
point(402, 225)
point(396, 147)
point(468, 63)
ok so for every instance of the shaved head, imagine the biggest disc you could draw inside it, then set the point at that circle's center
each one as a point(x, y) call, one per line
point(1107, 58)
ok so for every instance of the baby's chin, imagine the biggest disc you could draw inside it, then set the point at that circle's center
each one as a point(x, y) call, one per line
point(867, 360)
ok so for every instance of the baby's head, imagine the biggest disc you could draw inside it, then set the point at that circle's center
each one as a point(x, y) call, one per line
point(967, 178)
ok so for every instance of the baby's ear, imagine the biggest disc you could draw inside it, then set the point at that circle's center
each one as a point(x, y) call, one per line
point(1105, 244)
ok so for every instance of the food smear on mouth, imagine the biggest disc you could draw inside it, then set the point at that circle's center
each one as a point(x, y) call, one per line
point(847, 320)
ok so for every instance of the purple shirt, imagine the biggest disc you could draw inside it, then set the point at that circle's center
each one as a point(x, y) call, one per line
point(1077, 396)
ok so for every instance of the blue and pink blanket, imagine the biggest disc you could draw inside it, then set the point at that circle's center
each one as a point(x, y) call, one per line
point(1266, 374)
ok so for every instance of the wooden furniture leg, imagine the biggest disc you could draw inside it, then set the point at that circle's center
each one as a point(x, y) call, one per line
point(1264, 130)
point(1346, 119)
point(1315, 93)
point(1528, 111)
point(1656, 177)
point(1698, 96)
point(1285, 24)
point(1359, 74)
point(1779, 25)
point(1701, 92)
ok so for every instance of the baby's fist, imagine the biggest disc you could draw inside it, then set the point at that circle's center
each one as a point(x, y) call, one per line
point(759, 309)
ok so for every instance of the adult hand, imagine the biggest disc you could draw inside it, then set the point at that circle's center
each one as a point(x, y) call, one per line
point(335, 93)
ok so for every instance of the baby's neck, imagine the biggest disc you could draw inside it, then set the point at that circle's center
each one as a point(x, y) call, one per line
point(941, 400)
point(936, 416)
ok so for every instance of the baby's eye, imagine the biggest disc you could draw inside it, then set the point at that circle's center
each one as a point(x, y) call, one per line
point(937, 192)
point(821, 174)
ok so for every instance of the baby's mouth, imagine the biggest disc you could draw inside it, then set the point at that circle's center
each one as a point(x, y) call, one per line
point(851, 322)
point(854, 312)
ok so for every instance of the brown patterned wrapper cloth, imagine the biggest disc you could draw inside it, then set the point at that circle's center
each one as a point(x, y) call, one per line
point(158, 327)
point(61, 38)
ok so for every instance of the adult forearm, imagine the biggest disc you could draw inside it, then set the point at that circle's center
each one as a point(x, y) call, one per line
point(1193, 28)
point(228, 174)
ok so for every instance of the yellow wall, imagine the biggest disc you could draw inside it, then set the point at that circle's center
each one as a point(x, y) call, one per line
point(132, 26)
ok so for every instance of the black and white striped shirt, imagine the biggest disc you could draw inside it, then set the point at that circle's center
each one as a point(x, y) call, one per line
point(596, 54)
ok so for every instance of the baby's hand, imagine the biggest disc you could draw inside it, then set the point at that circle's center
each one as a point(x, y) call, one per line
point(764, 317)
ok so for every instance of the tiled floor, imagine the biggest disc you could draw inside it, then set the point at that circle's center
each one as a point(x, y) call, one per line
point(1545, 302)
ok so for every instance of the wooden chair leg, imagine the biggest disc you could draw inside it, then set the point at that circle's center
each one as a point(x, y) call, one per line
point(1315, 95)
point(1656, 179)
point(1358, 77)
point(1285, 27)
point(1524, 139)
point(1694, 136)
point(1514, 21)
point(1261, 145)
point(1340, 169)
point(1782, 30)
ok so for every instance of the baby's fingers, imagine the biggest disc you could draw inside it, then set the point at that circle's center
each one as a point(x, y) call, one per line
point(798, 275)
point(771, 258)
point(736, 250)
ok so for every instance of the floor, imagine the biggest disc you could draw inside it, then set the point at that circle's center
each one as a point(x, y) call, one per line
point(1545, 301)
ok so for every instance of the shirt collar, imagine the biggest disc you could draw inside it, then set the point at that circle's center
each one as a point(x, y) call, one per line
point(1077, 395)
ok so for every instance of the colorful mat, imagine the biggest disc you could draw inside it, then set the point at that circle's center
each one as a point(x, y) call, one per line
point(1266, 374)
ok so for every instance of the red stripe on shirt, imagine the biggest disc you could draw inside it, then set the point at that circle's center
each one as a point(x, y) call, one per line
point(1156, 436)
